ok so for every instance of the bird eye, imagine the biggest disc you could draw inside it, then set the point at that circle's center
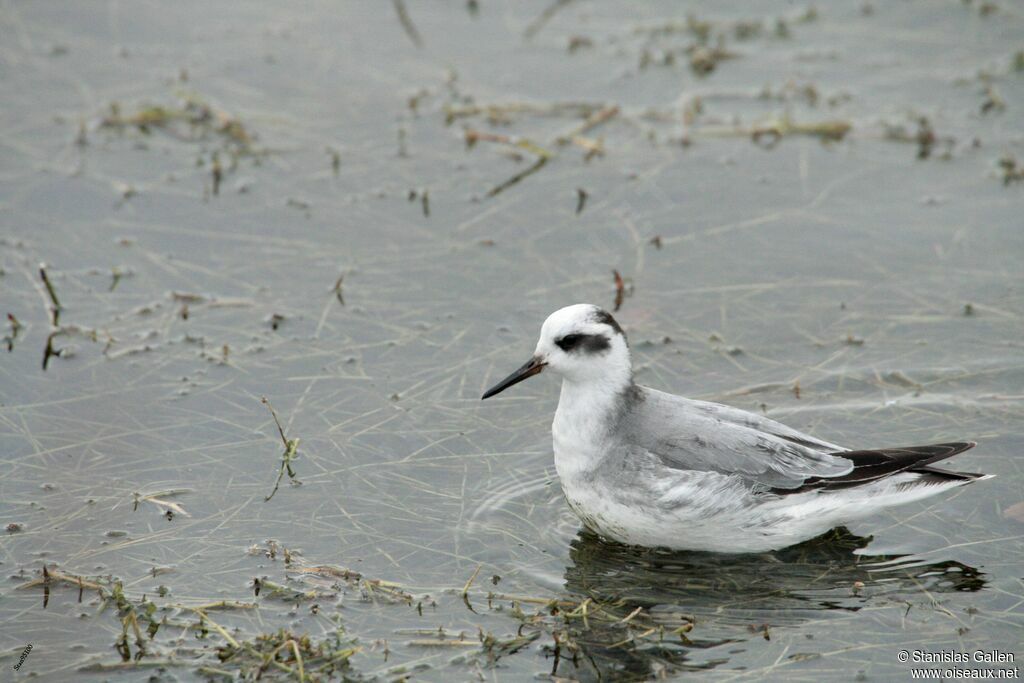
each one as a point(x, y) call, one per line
point(569, 342)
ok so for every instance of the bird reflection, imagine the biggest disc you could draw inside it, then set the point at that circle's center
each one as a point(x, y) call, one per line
point(698, 600)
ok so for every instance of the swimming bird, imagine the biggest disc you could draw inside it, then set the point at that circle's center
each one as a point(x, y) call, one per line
point(644, 467)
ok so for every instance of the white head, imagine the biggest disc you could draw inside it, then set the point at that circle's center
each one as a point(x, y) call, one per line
point(583, 344)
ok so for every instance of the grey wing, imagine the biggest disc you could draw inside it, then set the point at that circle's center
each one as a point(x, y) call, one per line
point(696, 435)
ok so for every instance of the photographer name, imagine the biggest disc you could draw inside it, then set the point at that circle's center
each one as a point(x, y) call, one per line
point(944, 656)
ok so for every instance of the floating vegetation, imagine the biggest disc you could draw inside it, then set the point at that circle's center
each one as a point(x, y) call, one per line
point(924, 137)
point(278, 655)
point(826, 130)
point(291, 448)
point(284, 654)
point(15, 327)
point(158, 499)
point(735, 161)
point(993, 101)
point(56, 328)
point(1011, 171)
point(191, 120)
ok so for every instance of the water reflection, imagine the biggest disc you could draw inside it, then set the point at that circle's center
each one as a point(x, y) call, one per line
point(727, 598)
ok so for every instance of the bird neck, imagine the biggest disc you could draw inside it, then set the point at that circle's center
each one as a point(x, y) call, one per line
point(587, 408)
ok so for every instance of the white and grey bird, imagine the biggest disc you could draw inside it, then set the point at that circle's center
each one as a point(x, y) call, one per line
point(644, 467)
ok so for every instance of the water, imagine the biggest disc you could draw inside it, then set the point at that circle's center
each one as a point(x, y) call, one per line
point(885, 286)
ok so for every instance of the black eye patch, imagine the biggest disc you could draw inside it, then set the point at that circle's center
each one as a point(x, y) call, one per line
point(586, 343)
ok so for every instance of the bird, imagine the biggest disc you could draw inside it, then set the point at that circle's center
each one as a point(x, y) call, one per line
point(644, 467)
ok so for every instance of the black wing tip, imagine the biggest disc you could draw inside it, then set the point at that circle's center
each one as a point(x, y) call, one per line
point(959, 446)
point(941, 451)
point(872, 465)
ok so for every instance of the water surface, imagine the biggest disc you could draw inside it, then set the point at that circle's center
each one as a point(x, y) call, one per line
point(867, 289)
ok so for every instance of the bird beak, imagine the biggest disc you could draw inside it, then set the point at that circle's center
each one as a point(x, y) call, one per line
point(532, 367)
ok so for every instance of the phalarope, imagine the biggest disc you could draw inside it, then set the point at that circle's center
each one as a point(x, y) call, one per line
point(644, 467)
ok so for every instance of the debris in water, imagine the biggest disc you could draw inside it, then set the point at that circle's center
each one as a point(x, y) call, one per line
point(545, 16)
point(216, 173)
point(581, 199)
point(993, 100)
point(620, 290)
point(15, 327)
point(407, 25)
point(274, 320)
point(157, 498)
point(337, 289)
point(1011, 171)
point(291, 447)
point(55, 307)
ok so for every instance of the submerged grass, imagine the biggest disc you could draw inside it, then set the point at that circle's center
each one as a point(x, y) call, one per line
point(151, 636)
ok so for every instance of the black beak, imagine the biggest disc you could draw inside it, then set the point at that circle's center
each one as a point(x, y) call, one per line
point(532, 367)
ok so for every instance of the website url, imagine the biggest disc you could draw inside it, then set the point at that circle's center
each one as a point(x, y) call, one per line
point(1011, 673)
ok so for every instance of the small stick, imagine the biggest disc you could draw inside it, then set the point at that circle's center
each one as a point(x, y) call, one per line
point(337, 289)
point(216, 173)
point(501, 187)
point(46, 586)
point(406, 21)
point(49, 352)
point(15, 329)
point(291, 447)
point(298, 660)
point(629, 617)
point(581, 200)
point(592, 121)
point(620, 290)
point(443, 643)
point(465, 589)
point(473, 136)
point(545, 16)
point(56, 575)
point(280, 430)
point(217, 627)
point(222, 604)
point(56, 308)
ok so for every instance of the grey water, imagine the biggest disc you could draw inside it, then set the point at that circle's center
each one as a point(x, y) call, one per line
point(816, 212)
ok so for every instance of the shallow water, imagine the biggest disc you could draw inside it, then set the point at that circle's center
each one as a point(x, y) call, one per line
point(885, 286)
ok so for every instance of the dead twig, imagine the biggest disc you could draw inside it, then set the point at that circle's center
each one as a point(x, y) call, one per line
point(592, 121)
point(473, 136)
point(498, 189)
point(337, 289)
point(550, 11)
point(620, 290)
point(407, 25)
point(165, 505)
point(291, 447)
point(55, 307)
